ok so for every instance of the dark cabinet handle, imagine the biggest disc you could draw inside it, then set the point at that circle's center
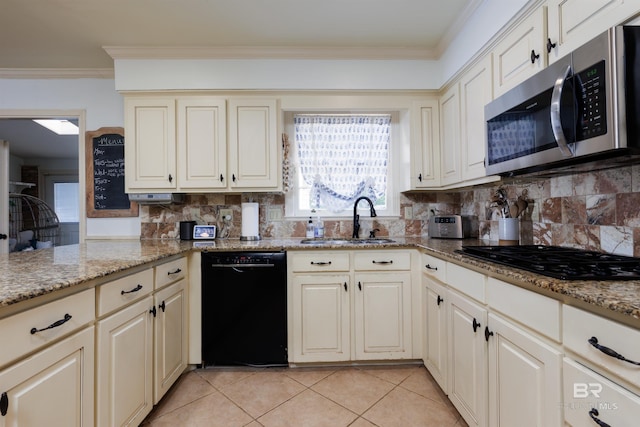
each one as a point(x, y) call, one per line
point(420, 177)
point(439, 300)
point(534, 56)
point(136, 289)
point(609, 352)
point(170, 178)
point(221, 178)
point(359, 286)
point(153, 311)
point(176, 271)
point(233, 177)
point(162, 306)
point(476, 325)
point(593, 413)
point(3, 236)
point(550, 45)
point(382, 262)
point(487, 333)
point(4, 404)
point(320, 262)
point(55, 324)
point(428, 267)
point(345, 286)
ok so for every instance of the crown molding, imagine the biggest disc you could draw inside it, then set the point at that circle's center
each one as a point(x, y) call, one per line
point(457, 25)
point(258, 52)
point(57, 73)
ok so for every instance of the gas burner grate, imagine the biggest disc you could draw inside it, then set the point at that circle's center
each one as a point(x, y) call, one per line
point(559, 262)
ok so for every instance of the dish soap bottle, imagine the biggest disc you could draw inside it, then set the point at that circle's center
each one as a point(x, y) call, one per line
point(318, 230)
point(310, 232)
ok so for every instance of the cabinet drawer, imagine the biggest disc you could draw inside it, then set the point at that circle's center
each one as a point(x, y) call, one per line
point(434, 267)
point(119, 293)
point(467, 281)
point(529, 308)
point(170, 272)
point(580, 326)
point(319, 261)
point(16, 330)
point(585, 389)
point(382, 260)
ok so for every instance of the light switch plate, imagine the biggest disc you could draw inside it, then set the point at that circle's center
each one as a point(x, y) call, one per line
point(274, 214)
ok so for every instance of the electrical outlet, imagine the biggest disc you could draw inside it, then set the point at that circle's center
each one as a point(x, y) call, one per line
point(274, 214)
point(408, 212)
point(226, 212)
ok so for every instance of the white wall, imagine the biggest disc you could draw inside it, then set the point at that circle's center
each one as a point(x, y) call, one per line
point(102, 105)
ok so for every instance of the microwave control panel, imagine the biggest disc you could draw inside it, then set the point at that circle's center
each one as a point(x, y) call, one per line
point(591, 96)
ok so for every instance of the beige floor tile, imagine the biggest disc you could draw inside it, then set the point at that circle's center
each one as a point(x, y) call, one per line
point(261, 392)
point(309, 376)
point(404, 408)
point(187, 389)
point(393, 374)
point(361, 422)
point(308, 409)
point(421, 382)
point(213, 410)
point(354, 389)
point(220, 377)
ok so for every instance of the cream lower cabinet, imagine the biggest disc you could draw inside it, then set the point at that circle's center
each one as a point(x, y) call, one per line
point(435, 350)
point(53, 387)
point(349, 305)
point(467, 358)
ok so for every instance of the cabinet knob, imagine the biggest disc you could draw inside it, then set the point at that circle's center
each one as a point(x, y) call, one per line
point(170, 178)
point(420, 177)
point(476, 325)
point(153, 311)
point(3, 236)
point(233, 177)
point(534, 56)
point(345, 287)
point(4, 404)
point(550, 45)
point(439, 300)
point(487, 333)
point(221, 178)
point(162, 306)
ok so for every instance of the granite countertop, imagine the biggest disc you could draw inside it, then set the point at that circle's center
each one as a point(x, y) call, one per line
point(26, 275)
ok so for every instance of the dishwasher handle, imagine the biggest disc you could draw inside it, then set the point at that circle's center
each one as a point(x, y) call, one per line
point(242, 265)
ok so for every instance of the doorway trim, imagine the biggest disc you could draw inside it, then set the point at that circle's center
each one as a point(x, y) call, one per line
point(81, 116)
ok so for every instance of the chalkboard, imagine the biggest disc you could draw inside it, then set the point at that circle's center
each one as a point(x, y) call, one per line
point(105, 175)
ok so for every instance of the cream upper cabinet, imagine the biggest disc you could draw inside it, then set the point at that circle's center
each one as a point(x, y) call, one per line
point(476, 90)
point(522, 53)
point(197, 143)
point(574, 22)
point(450, 136)
point(425, 144)
point(150, 143)
point(202, 143)
point(254, 150)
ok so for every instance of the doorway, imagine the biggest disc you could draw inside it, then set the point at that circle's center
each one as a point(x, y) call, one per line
point(57, 159)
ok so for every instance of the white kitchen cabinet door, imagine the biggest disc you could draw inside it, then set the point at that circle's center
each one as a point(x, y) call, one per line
point(574, 22)
point(425, 144)
point(522, 53)
point(476, 90)
point(382, 316)
point(468, 359)
point(170, 331)
point(150, 144)
point(525, 378)
point(436, 354)
point(202, 143)
point(124, 365)
point(321, 318)
point(254, 148)
point(450, 136)
point(54, 387)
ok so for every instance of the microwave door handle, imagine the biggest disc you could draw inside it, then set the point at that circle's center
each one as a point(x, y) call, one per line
point(556, 123)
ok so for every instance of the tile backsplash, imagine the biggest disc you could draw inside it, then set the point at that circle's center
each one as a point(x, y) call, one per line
point(598, 210)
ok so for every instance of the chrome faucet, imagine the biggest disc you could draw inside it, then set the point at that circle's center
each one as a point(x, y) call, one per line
point(356, 217)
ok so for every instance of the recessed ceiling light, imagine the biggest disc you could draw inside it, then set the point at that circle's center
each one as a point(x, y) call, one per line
point(61, 127)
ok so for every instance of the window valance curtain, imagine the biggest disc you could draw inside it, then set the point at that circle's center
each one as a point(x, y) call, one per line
point(343, 157)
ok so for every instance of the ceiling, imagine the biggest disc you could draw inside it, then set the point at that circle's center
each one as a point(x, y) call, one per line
point(73, 34)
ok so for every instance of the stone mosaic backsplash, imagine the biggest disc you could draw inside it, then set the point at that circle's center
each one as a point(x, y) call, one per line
point(597, 210)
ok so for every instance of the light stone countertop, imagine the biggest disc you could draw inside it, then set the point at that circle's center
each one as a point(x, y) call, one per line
point(26, 275)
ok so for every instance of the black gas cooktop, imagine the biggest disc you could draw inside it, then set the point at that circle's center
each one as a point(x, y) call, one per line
point(559, 262)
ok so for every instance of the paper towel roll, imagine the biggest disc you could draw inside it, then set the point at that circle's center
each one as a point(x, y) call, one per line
point(250, 218)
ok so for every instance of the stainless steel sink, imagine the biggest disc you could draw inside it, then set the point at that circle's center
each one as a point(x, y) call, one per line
point(337, 241)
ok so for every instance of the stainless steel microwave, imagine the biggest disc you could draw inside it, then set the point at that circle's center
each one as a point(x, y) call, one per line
point(583, 107)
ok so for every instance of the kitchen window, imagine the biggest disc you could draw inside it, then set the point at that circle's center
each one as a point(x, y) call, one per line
point(338, 157)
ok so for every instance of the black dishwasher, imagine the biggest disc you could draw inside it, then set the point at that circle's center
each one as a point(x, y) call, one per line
point(244, 308)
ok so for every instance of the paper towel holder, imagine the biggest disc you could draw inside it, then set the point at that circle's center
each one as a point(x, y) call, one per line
point(250, 222)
